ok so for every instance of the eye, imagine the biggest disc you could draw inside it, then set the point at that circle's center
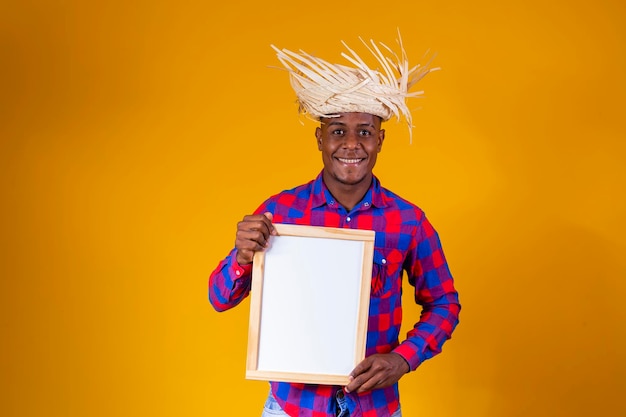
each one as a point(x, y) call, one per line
point(365, 133)
point(338, 132)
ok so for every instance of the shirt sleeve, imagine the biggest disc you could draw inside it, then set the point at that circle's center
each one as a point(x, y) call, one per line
point(429, 273)
point(229, 283)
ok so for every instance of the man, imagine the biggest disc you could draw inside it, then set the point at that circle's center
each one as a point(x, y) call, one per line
point(351, 103)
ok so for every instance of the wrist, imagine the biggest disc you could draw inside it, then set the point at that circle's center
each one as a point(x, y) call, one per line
point(406, 363)
point(242, 269)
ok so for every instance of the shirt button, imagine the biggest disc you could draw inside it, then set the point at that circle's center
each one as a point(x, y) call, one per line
point(384, 261)
point(237, 273)
point(332, 202)
point(366, 204)
point(348, 219)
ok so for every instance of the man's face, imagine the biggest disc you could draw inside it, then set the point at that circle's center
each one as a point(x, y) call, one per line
point(350, 144)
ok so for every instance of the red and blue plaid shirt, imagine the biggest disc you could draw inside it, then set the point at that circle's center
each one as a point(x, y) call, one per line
point(405, 241)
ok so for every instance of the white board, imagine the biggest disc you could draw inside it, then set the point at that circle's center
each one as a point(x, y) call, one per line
point(309, 305)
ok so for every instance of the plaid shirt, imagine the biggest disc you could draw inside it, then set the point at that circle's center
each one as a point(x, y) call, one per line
point(405, 240)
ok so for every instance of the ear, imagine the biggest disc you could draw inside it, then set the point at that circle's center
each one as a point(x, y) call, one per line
point(318, 136)
point(381, 139)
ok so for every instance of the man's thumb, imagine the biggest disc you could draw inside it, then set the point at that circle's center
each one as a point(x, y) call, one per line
point(270, 216)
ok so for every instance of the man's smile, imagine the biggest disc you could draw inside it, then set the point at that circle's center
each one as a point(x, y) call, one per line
point(351, 161)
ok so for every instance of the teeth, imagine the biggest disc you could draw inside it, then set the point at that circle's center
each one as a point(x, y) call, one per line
point(349, 161)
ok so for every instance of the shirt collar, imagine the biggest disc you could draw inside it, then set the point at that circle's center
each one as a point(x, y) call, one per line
point(321, 194)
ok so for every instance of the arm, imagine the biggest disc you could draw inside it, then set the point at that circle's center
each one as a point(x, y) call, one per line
point(428, 272)
point(230, 282)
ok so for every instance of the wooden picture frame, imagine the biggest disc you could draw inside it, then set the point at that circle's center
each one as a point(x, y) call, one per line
point(309, 305)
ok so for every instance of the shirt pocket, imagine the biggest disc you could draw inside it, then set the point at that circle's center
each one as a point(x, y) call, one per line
point(386, 272)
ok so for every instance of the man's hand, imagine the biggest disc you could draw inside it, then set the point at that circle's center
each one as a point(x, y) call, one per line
point(377, 371)
point(253, 234)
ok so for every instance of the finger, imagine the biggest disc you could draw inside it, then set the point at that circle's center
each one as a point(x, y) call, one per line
point(376, 371)
point(257, 228)
point(270, 217)
point(253, 240)
point(257, 222)
point(356, 378)
point(357, 384)
point(247, 247)
point(374, 382)
point(356, 381)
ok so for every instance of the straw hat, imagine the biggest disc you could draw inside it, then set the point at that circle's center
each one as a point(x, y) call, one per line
point(325, 89)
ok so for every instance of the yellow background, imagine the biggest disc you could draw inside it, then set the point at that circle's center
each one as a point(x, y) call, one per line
point(134, 135)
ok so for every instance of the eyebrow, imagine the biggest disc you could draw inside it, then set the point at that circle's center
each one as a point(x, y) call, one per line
point(338, 123)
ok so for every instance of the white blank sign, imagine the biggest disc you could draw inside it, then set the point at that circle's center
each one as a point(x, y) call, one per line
point(309, 305)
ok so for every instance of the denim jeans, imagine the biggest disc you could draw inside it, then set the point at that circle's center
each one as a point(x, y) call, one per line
point(272, 408)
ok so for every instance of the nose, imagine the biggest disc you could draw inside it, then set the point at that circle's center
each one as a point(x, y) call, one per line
point(351, 140)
